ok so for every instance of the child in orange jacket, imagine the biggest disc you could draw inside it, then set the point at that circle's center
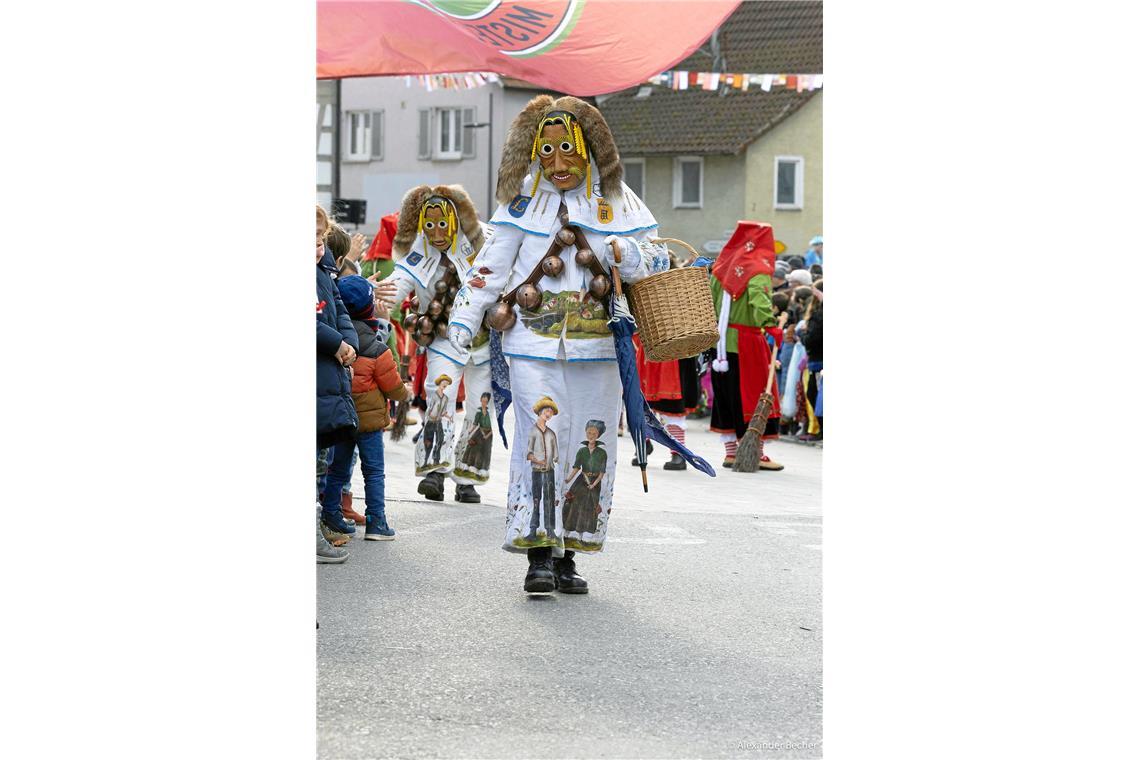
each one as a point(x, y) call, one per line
point(375, 380)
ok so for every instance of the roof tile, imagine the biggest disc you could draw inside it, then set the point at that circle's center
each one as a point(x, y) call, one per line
point(696, 122)
point(767, 38)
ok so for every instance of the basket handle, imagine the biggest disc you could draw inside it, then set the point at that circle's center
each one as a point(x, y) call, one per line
point(678, 242)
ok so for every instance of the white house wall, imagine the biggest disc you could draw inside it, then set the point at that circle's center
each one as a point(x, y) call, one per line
point(801, 134)
point(326, 107)
point(723, 203)
point(383, 182)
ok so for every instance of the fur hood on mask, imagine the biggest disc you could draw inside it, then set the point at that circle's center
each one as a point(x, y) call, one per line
point(520, 138)
point(408, 225)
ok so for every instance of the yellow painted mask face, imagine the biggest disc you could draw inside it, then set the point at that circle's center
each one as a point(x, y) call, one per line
point(438, 225)
point(562, 153)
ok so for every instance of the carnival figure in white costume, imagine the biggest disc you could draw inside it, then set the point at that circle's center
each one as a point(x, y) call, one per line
point(437, 239)
point(542, 281)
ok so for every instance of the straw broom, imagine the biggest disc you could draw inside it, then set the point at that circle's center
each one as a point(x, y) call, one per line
point(748, 452)
point(400, 420)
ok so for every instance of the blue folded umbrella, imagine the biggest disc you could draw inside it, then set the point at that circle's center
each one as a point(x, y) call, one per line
point(500, 382)
point(640, 420)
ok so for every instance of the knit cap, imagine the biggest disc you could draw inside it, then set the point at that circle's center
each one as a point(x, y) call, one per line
point(356, 292)
point(800, 277)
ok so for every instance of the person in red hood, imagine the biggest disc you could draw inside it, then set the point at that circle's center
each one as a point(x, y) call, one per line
point(749, 338)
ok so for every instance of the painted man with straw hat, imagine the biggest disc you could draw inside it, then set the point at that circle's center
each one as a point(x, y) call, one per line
point(563, 206)
point(440, 412)
point(542, 453)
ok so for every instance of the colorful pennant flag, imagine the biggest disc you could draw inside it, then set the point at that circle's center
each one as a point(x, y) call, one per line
point(713, 80)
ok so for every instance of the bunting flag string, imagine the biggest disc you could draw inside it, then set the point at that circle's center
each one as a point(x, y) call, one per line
point(700, 80)
point(676, 80)
point(466, 81)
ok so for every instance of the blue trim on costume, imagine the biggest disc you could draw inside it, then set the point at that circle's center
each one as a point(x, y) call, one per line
point(460, 324)
point(524, 229)
point(413, 274)
point(527, 356)
point(613, 232)
point(545, 359)
point(452, 359)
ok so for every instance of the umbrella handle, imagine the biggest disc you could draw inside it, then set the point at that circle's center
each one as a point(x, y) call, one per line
point(614, 270)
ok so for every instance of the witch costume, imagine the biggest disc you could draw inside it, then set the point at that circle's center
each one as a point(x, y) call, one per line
point(742, 294)
point(560, 189)
point(442, 213)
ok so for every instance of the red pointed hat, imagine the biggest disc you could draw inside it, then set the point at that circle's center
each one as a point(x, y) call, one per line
point(750, 251)
point(381, 247)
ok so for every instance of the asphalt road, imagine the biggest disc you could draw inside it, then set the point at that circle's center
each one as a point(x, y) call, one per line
point(701, 635)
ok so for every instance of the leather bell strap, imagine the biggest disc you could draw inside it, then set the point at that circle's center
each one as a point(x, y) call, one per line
point(445, 299)
point(580, 240)
point(556, 250)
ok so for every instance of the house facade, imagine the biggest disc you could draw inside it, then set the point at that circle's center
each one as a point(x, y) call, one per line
point(783, 181)
point(695, 198)
point(394, 136)
point(709, 158)
point(749, 155)
point(753, 155)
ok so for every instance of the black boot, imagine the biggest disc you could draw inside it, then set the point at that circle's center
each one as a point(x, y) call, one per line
point(648, 451)
point(566, 576)
point(467, 495)
point(676, 463)
point(540, 576)
point(432, 486)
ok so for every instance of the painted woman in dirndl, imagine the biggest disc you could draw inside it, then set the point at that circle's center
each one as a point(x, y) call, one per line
point(582, 503)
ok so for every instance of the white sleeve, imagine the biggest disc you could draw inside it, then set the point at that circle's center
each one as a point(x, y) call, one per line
point(404, 284)
point(640, 258)
point(498, 259)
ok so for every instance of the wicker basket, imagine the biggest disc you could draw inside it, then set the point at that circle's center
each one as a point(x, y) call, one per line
point(674, 311)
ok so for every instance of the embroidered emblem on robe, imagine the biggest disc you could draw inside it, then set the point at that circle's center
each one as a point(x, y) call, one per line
point(605, 213)
point(518, 206)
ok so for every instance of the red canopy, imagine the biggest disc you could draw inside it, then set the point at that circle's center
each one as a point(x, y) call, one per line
point(579, 47)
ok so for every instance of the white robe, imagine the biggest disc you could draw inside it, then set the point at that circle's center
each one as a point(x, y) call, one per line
point(419, 272)
point(558, 350)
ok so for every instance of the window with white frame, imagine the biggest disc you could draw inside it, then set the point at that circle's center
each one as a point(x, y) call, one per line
point(635, 175)
point(377, 135)
point(788, 183)
point(449, 133)
point(444, 134)
point(363, 135)
point(358, 135)
point(688, 181)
